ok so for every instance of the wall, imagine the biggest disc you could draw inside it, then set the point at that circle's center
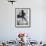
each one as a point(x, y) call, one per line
point(8, 31)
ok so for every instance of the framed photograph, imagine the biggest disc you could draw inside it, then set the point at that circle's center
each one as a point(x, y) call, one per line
point(22, 17)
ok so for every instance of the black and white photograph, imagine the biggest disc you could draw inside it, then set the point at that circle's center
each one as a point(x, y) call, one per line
point(22, 17)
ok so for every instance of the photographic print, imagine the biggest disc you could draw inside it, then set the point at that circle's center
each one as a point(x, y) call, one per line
point(22, 17)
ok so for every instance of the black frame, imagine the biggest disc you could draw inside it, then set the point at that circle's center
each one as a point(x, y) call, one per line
point(29, 18)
